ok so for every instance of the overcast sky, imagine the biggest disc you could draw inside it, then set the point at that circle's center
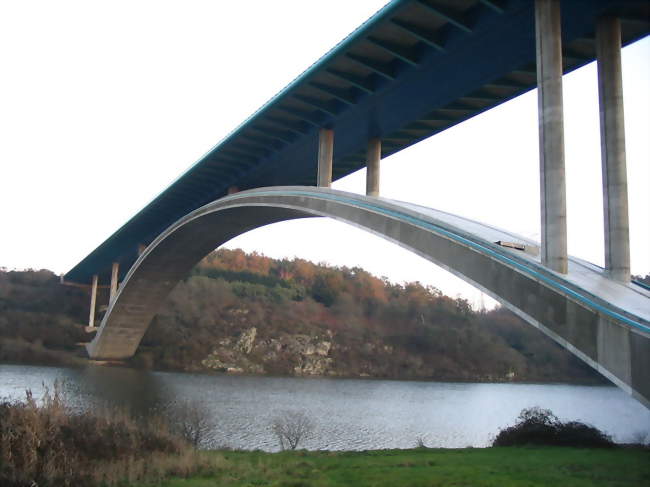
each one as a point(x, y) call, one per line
point(103, 104)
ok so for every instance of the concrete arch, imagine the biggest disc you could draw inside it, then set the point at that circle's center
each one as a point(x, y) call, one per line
point(605, 323)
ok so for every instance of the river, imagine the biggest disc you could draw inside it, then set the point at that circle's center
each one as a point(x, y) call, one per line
point(349, 414)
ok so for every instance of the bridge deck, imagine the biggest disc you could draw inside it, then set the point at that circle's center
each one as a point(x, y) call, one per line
point(414, 69)
point(587, 277)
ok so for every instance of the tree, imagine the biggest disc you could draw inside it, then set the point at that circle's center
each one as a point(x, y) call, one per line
point(191, 420)
point(290, 427)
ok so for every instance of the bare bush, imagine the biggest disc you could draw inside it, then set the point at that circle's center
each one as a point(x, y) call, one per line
point(290, 427)
point(641, 437)
point(192, 420)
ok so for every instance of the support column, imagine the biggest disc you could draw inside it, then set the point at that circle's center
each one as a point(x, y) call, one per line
point(114, 275)
point(612, 143)
point(325, 156)
point(551, 134)
point(93, 302)
point(372, 167)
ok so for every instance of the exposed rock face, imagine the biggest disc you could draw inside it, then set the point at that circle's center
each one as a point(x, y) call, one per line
point(313, 365)
point(295, 354)
point(246, 340)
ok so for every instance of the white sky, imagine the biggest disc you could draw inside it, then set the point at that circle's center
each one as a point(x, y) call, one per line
point(103, 104)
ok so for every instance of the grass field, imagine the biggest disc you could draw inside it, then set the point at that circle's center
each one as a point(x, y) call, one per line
point(422, 467)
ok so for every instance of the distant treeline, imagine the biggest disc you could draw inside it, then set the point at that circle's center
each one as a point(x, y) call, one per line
point(250, 313)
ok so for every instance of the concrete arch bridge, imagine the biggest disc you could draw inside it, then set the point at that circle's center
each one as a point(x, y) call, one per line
point(604, 322)
point(413, 70)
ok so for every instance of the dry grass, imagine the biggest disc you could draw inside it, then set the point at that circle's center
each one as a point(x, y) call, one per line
point(46, 443)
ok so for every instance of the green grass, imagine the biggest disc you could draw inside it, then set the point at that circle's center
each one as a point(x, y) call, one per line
point(488, 467)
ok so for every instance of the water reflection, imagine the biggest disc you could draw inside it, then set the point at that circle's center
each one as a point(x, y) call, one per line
point(128, 388)
point(349, 414)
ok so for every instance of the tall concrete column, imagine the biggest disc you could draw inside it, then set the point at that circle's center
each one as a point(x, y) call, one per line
point(612, 143)
point(114, 276)
point(93, 302)
point(372, 166)
point(325, 156)
point(551, 134)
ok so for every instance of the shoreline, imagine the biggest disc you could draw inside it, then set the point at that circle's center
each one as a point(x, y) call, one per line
point(81, 363)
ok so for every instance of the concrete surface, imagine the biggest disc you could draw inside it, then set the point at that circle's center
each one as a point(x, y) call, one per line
point(604, 322)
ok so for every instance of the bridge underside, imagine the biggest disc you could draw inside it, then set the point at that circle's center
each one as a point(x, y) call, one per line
point(605, 323)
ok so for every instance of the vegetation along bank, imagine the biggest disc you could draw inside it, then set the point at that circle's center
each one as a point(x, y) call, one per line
point(247, 313)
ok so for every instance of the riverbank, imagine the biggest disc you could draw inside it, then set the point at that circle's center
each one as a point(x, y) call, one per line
point(246, 314)
point(449, 415)
point(21, 352)
point(478, 467)
point(97, 428)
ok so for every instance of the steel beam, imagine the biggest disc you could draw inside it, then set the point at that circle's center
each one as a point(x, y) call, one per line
point(357, 81)
point(430, 38)
point(453, 18)
point(396, 50)
point(324, 106)
point(339, 94)
point(380, 68)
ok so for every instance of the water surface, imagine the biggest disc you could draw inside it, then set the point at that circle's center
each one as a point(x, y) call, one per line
point(350, 414)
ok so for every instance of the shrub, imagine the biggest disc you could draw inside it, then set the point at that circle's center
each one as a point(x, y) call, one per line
point(49, 444)
point(641, 438)
point(191, 420)
point(291, 427)
point(536, 426)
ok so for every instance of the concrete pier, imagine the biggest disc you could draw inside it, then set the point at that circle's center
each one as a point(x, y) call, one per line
point(325, 157)
point(93, 302)
point(612, 140)
point(114, 276)
point(551, 135)
point(373, 156)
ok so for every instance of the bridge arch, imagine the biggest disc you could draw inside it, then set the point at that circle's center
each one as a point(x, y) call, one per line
point(605, 323)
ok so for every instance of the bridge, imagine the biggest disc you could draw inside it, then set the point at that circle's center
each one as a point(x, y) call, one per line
point(414, 69)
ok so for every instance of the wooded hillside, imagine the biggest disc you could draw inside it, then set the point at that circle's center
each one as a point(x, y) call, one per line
point(246, 313)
